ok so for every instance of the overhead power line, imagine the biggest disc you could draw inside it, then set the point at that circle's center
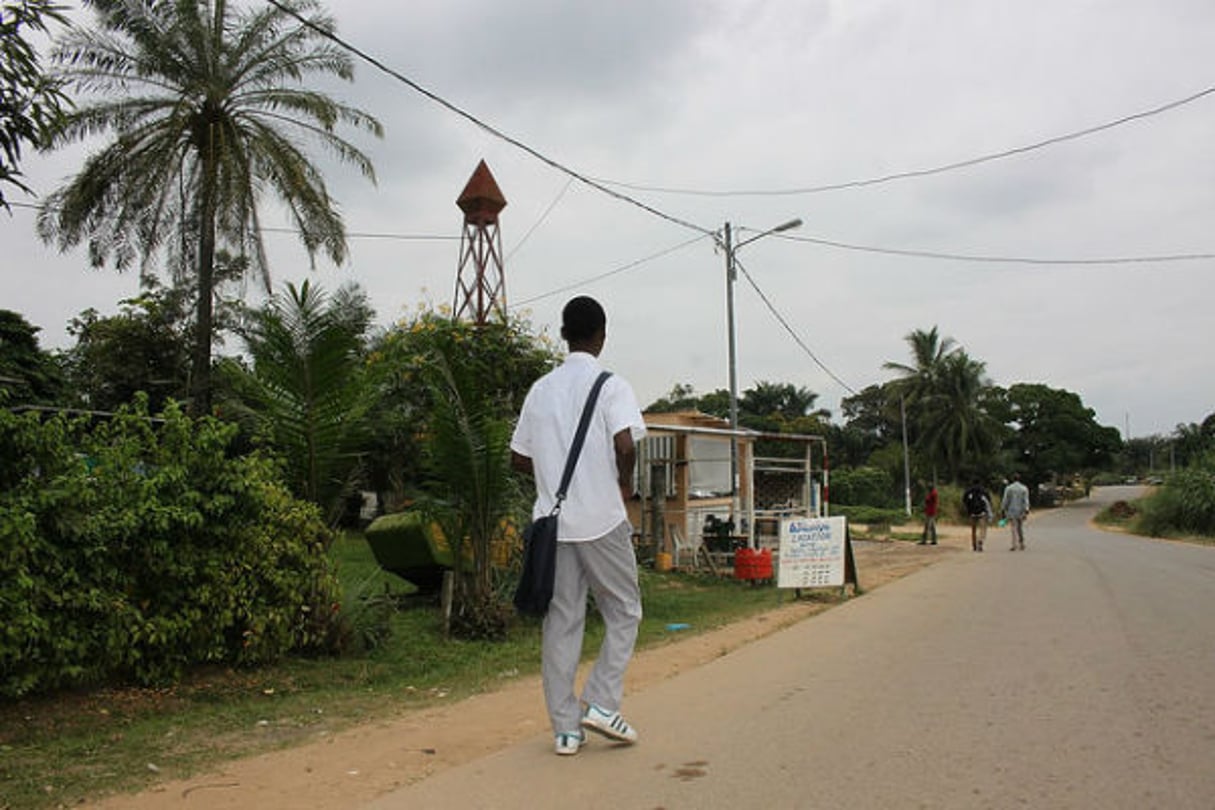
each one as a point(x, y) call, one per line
point(630, 266)
point(970, 257)
point(400, 77)
point(914, 173)
point(832, 243)
point(404, 237)
point(792, 333)
point(540, 221)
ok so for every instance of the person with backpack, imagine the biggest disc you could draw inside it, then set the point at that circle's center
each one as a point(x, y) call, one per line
point(978, 508)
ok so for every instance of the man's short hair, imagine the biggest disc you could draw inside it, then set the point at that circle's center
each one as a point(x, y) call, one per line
point(582, 319)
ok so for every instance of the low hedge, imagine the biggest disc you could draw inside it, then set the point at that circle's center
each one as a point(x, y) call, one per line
point(133, 548)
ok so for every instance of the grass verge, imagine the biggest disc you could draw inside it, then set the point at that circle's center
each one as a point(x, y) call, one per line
point(58, 751)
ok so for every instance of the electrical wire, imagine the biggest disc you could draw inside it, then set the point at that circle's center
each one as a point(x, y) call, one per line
point(404, 237)
point(540, 221)
point(916, 173)
point(965, 257)
point(383, 68)
point(630, 266)
point(792, 333)
point(832, 243)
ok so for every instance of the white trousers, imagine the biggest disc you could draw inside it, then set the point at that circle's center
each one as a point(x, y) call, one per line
point(606, 568)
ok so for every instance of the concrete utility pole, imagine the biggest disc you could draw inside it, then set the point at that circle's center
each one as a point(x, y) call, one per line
point(906, 457)
point(730, 250)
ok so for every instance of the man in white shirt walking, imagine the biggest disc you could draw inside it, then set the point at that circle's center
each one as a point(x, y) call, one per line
point(594, 538)
point(1014, 503)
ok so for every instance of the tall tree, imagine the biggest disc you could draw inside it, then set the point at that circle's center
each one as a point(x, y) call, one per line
point(31, 101)
point(783, 400)
point(929, 352)
point(1056, 434)
point(142, 348)
point(955, 428)
point(28, 375)
point(943, 391)
point(208, 106)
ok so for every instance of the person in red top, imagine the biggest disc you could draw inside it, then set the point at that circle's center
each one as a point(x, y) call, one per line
point(930, 517)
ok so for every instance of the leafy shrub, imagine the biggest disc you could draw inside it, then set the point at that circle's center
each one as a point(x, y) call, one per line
point(1184, 504)
point(870, 515)
point(133, 548)
point(868, 486)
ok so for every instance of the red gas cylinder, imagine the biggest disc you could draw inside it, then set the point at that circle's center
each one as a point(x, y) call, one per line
point(744, 563)
point(761, 565)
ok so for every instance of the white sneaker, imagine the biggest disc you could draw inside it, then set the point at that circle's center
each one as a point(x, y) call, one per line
point(567, 743)
point(609, 724)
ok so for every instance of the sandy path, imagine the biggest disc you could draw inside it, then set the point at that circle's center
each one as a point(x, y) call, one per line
point(353, 767)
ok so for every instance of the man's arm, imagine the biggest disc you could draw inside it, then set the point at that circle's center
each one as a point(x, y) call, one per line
point(522, 463)
point(626, 460)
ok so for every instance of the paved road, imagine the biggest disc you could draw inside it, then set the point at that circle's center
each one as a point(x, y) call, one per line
point(1077, 674)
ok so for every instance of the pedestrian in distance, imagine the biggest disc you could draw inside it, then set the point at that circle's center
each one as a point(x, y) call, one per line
point(594, 538)
point(1014, 503)
point(978, 509)
point(930, 517)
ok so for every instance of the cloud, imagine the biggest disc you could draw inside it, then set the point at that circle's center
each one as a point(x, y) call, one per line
point(780, 95)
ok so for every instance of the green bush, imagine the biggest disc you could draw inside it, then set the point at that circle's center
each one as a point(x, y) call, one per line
point(870, 515)
point(868, 486)
point(133, 548)
point(1184, 504)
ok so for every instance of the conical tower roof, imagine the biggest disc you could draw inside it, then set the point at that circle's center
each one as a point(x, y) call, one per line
point(481, 199)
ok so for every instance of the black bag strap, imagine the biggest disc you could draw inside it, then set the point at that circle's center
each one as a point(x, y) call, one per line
point(579, 439)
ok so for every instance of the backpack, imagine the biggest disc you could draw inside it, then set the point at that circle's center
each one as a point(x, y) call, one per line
point(973, 501)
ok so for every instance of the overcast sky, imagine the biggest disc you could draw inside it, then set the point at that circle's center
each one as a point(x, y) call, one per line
point(785, 95)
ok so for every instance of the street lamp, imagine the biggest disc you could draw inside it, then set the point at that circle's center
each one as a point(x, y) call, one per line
point(731, 275)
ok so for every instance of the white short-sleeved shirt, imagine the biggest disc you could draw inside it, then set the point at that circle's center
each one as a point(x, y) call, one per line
point(545, 431)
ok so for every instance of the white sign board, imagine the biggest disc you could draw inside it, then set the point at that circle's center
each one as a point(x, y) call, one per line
point(811, 552)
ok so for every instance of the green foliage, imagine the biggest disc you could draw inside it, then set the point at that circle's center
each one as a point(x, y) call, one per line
point(134, 548)
point(471, 487)
point(145, 347)
point(943, 395)
point(870, 515)
point(307, 392)
point(863, 486)
point(31, 101)
point(1185, 504)
point(208, 106)
point(503, 358)
point(1056, 435)
point(28, 375)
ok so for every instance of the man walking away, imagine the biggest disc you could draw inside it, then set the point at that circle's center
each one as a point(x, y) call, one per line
point(1015, 506)
point(978, 508)
point(594, 538)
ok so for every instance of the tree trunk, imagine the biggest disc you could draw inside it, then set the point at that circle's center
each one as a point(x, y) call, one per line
point(200, 377)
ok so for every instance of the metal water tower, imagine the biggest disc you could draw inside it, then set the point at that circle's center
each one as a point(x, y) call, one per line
point(481, 277)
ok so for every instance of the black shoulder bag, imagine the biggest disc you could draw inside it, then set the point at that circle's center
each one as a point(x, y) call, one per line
point(535, 588)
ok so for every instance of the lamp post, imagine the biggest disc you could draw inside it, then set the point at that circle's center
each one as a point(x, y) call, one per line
point(906, 457)
point(730, 250)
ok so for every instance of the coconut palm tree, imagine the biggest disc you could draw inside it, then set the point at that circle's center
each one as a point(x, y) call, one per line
point(956, 430)
point(943, 389)
point(208, 107)
point(929, 352)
